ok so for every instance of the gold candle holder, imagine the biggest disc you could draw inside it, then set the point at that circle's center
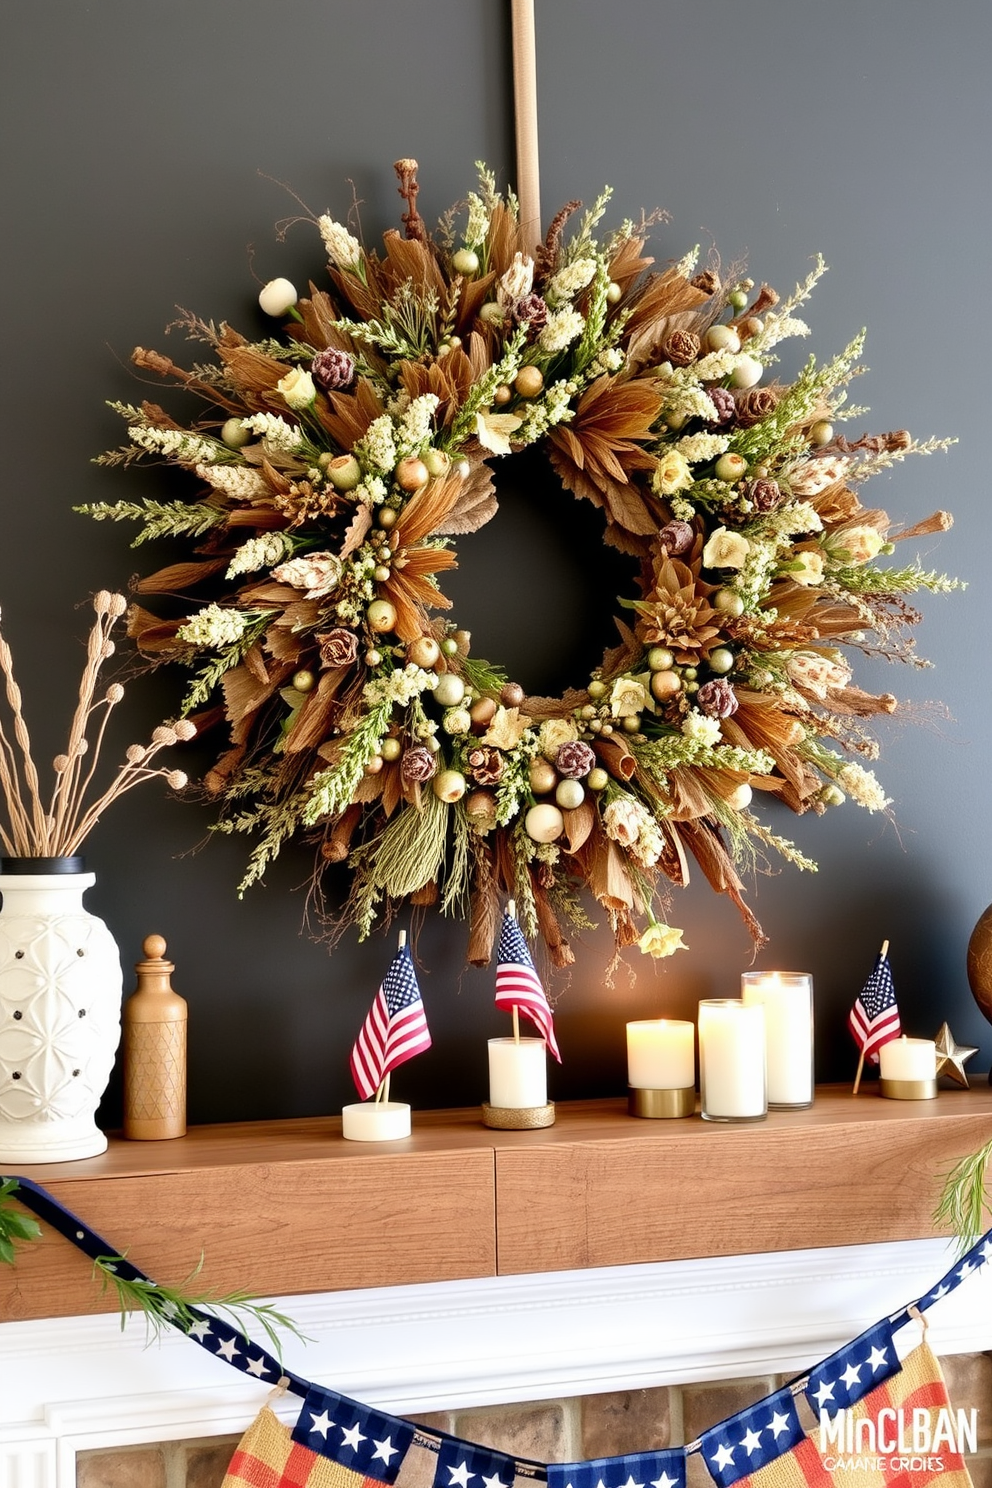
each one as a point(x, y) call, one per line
point(661, 1104)
point(518, 1118)
point(910, 1090)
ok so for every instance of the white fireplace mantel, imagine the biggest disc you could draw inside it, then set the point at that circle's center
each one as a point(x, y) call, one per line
point(73, 1384)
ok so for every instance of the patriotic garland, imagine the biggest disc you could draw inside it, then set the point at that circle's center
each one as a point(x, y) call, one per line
point(777, 1442)
point(335, 464)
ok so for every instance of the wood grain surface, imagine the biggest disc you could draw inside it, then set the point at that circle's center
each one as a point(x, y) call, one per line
point(288, 1206)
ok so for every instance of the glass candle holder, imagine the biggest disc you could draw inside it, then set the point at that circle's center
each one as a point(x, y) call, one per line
point(732, 1060)
point(787, 998)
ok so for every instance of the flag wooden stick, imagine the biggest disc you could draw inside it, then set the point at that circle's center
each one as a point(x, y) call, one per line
point(525, 119)
point(861, 1062)
point(511, 909)
point(382, 1094)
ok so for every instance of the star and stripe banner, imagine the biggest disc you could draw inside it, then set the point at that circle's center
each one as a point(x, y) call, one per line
point(367, 1441)
point(518, 984)
point(874, 1018)
point(665, 1469)
point(395, 1029)
point(861, 1418)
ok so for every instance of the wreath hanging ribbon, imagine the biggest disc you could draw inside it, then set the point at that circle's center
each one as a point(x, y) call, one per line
point(336, 464)
point(375, 1444)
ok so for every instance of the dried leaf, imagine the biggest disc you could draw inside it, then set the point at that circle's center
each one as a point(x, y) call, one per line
point(578, 825)
point(179, 576)
point(356, 532)
point(476, 504)
point(507, 728)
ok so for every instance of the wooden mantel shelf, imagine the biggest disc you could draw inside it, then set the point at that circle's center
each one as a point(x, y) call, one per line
point(289, 1206)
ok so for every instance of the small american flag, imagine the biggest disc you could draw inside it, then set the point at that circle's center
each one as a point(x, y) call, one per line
point(874, 1018)
point(395, 1029)
point(518, 984)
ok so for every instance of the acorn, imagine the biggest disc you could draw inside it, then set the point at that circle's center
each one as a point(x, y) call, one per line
point(721, 659)
point(820, 433)
point(596, 688)
point(344, 472)
point(391, 748)
point(660, 659)
point(465, 262)
point(449, 786)
point(234, 434)
point(512, 695)
point(569, 794)
point(386, 517)
point(728, 602)
point(374, 765)
point(544, 823)
point(503, 394)
point(381, 616)
point(450, 690)
point(411, 473)
point(543, 776)
point(483, 710)
point(304, 680)
point(747, 372)
point(529, 381)
point(423, 652)
point(597, 779)
point(613, 293)
point(665, 685)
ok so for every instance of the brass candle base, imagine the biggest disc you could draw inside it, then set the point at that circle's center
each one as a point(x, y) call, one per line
point(908, 1089)
point(518, 1118)
point(661, 1104)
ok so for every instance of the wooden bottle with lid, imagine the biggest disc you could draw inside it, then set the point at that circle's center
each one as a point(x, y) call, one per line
point(154, 1028)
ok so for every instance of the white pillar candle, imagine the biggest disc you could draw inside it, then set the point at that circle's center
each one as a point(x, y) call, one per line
point(908, 1059)
point(732, 1060)
point(518, 1073)
point(375, 1121)
point(660, 1054)
point(787, 998)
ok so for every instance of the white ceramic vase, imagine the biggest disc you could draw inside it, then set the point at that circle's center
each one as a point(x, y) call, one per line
point(60, 1012)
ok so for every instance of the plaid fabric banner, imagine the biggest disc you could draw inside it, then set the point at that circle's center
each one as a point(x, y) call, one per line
point(462, 1465)
point(871, 1444)
point(268, 1457)
point(852, 1371)
point(738, 1447)
point(367, 1441)
point(636, 1470)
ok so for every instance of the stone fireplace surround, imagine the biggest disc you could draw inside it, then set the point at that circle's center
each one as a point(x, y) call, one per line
point(75, 1384)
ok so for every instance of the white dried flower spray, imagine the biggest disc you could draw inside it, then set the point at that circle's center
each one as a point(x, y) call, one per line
point(213, 627)
point(562, 328)
point(276, 434)
point(862, 787)
point(344, 251)
point(241, 482)
point(58, 828)
point(258, 552)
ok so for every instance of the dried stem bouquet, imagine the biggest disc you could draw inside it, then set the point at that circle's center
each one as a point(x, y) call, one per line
point(29, 828)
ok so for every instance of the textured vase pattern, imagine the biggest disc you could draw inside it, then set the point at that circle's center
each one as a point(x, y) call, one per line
point(60, 1001)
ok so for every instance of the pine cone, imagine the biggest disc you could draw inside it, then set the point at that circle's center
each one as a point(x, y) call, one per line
point(681, 348)
point(333, 369)
point(717, 698)
point(764, 495)
point(676, 537)
point(724, 406)
point(755, 405)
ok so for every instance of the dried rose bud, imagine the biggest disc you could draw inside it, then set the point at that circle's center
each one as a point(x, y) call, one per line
point(681, 348)
point(676, 537)
point(724, 404)
point(717, 698)
point(754, 405)
point(418, 764)
point(486, 765)
point(574, 760)
point(706, 282)
point(532, 312)
point(764, 495)
point(339, 647)
point(332, 369)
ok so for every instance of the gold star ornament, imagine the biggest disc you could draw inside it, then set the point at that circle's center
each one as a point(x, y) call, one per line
point(952, 1056)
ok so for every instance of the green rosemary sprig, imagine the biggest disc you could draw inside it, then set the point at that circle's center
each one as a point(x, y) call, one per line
point(161, 518)
point(15, 1227)
point(963, 1203)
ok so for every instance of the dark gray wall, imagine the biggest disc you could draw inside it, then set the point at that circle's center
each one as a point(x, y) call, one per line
point(149, 150)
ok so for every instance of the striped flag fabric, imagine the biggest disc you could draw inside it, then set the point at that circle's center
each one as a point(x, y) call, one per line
point(874, 1018)
point(395, 1029)
point(518, 984)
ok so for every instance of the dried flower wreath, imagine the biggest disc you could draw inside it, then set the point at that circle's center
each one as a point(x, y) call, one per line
point(336, 464)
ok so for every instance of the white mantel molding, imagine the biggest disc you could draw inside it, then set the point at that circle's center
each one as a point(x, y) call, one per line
point(73, 1384)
